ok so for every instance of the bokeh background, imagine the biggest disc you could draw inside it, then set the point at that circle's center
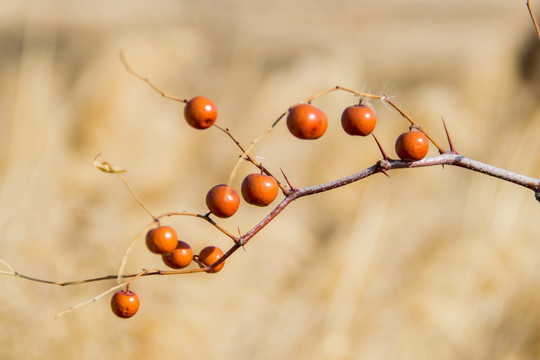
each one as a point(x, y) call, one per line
point(427, 264)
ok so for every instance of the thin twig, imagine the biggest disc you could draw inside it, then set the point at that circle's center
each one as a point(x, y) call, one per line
point(114, 288)
point(205, 217)
point(531, 12)
point(385, 99)
point(106, 166)
point(123, 263)
point(146, 80)
point(418, 127)
point(247, 156)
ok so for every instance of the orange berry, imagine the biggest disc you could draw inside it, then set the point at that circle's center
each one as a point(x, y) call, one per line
point(222, 201)
point(180, 257)
point(412, 146)
point(305, 121)
point(358, 120)
point(259, 189)
point(210, 255)
point(200, 112)
point(125, 304)
point(161, 240)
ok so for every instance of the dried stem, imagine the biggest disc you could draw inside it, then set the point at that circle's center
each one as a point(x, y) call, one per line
point(114, 288)
point(105, 166)
point(247, 156)
point(535, 24)
point(200, 216)
point(146, 80)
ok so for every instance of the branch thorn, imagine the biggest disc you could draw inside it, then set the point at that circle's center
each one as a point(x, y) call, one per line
point(452, 149)
point(287, 180)
point(385, 157)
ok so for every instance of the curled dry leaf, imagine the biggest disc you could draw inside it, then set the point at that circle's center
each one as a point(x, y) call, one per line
point(107, 167)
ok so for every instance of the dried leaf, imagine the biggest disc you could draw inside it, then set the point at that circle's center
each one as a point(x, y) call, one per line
point(107, 167)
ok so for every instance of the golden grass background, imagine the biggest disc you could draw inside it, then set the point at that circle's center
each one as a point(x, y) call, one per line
point(428, 264)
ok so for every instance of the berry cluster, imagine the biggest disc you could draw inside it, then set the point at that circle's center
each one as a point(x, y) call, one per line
point(176, 254)
point(304, 121)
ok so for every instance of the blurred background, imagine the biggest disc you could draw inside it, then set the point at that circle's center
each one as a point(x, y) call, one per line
point(430, 263)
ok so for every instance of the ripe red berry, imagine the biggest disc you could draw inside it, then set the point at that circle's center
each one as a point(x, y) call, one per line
point(305, 121)
point(180, 257)
point(210, 255)
point(222, 201)
point(358, 120)
point(259, 189)
point(412, 146)
point(125, 303)
point(161, 240)
point(200, 112)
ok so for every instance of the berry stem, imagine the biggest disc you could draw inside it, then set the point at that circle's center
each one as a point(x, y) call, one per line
point(413, 123)
point(201, 216)
point(246, 152)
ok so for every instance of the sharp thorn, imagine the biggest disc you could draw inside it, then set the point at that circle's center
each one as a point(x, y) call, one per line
point(287, 180)
point(452, 149)
point(380, 148)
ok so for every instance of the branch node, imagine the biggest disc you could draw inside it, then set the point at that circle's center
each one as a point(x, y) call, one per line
point(384, 165)
point(241, 242)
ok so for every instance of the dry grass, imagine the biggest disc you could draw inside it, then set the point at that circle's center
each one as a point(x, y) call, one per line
point(429, 264)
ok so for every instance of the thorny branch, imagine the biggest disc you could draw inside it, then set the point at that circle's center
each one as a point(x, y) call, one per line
point(446, 157)
point(294, 194)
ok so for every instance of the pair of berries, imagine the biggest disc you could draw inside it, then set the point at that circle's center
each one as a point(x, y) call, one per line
point(257, 189)
point(305, 121)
